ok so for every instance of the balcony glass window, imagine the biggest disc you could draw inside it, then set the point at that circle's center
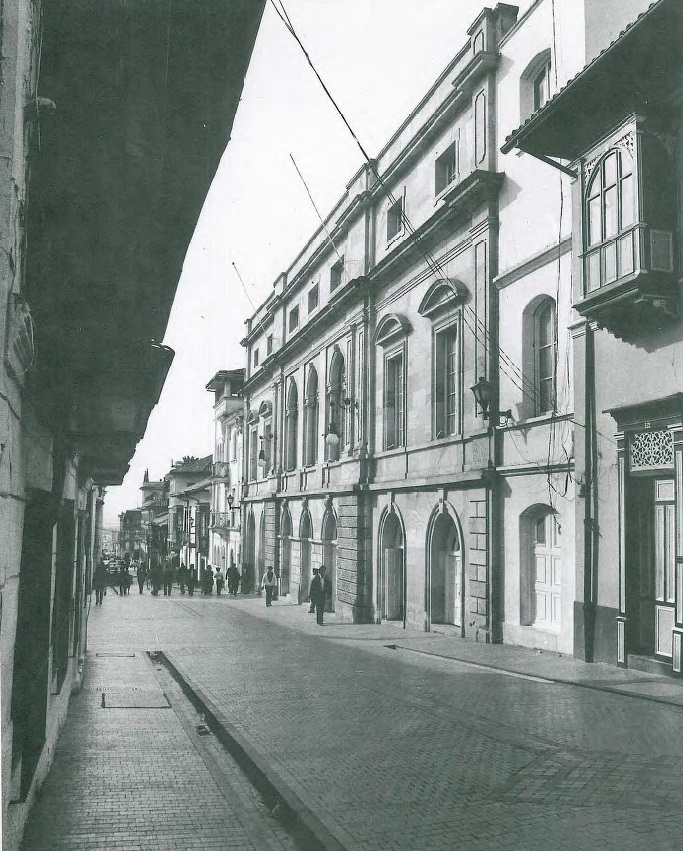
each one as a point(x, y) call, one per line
point(610, 221)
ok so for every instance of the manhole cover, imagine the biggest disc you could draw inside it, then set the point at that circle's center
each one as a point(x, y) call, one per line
point(134, 700)
point(116, 655)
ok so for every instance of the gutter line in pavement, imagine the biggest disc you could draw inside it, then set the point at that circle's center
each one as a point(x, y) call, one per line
point(325, 835)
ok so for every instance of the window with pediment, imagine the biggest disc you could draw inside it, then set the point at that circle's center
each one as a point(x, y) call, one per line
point(391, 335)
point(442, 304)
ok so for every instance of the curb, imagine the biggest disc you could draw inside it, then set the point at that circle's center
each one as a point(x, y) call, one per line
point(543, 678)
point(324, 835)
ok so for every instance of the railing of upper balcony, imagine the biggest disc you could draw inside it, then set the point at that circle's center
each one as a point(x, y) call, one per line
point(225, 519)
point(220, 470)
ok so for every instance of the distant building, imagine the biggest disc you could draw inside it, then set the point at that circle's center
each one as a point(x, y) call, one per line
point(226, 476)
point(132, 542)
point(154, 511)
point(189, 503)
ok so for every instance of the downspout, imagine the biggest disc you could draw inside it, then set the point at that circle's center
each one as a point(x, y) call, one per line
point(590, 556)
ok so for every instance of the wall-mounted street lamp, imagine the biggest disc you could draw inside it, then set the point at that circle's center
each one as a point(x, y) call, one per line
point(231, 501)
point(484, 393)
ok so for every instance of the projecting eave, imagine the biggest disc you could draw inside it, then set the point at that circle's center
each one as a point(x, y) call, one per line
point(637, 73)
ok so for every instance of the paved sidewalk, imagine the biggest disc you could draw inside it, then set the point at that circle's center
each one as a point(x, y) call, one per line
point(398, 750)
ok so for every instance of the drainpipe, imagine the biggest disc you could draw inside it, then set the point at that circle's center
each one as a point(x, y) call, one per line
point(590, 556)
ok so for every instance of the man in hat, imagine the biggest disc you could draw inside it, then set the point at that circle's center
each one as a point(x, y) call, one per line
point(318, 597)
point(311, 608)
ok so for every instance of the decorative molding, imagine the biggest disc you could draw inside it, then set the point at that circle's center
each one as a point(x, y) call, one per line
point(538, 261)
point(20, 348)
point(444, 294)
point(390, 328)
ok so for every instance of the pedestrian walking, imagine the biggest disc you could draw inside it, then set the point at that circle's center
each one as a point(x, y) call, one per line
point(233, 580)
point(207, 580)
point(311, 607)
point(318, 597)
point(168, 579)
point(191, 580)
point(142, 576)
point(182, 577)
point(124, 580)
point(99, 582)
point(220, 581)
point(157, 579)
point(270, 584)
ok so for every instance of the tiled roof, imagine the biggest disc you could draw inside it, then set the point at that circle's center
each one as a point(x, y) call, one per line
point(199, 465)
point(548, 106)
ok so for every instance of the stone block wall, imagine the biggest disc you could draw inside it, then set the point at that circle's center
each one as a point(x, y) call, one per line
point(478, 597)
point(354, 558)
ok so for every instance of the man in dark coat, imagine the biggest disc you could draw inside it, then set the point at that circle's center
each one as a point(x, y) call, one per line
point(311, 608)
point(99, 582)
point(233, 580)
point(318, 597)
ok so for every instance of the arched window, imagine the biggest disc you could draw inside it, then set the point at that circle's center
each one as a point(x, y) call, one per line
point(291, 426)
point(610, 217)
point(311, 418)
point(534, 84)
point(545, 356)
point(336, 411)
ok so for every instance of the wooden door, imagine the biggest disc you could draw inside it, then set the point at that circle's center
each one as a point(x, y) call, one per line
point(547, 556)
point(393, 584)
point(664, 564)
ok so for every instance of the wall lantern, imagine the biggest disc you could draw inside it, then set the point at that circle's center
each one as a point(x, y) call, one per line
point(231, 500)
point(332, 435)
point(483, 395)
point(261, 461)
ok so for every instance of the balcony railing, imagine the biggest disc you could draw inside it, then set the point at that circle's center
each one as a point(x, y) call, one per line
point(225, 519)
point(221, 470)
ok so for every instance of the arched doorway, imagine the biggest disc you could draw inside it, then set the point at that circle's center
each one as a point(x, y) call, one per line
point(444, 585)
point(261, 548)
point(249, 555)
point(329, 538)
point(285, 551)
point(541, 604)
point(305, 535)
point(391, 584)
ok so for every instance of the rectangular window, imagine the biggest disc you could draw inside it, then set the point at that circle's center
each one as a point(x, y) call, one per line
point(395, 219)
point(394, 402)
point(253, 454)
point(269, 344)
point(336, 272)
point(313, 296)
point(446, 382)
point(255, 357)
point(293, 319)
point(541, 86)
point(446, 168)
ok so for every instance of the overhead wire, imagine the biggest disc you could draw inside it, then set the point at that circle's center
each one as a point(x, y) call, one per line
point(508, 367)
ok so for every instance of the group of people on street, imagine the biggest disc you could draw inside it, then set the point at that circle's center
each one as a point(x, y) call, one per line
point(320, 590)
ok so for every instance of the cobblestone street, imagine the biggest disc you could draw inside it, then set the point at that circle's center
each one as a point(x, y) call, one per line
point(376, 745)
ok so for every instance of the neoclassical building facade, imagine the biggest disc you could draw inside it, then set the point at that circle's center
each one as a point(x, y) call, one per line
point(410, 388)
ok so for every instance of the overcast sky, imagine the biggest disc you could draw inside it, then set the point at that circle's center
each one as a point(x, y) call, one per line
point(378, 58)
